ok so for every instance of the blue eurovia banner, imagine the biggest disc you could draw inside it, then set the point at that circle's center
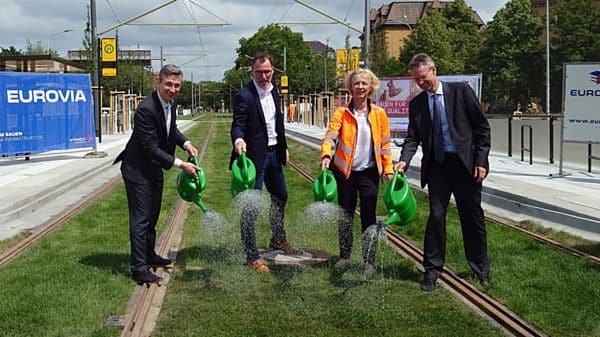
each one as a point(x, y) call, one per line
point(45, 112)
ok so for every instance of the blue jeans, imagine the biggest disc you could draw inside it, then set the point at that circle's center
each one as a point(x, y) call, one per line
point(271, 174)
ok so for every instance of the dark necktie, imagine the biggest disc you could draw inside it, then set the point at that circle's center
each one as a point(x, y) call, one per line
point(438, 147)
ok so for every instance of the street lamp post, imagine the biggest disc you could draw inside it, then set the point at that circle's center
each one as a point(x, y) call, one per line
point(54, 34)
point(550, 126)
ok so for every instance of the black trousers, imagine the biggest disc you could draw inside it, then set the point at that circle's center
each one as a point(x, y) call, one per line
point(144, 202)
point(366, 184)
point(451, 177)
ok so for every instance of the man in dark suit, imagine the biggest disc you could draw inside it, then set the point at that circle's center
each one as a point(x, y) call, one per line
point(151, 149)
point(447, 120)
point(257, 129)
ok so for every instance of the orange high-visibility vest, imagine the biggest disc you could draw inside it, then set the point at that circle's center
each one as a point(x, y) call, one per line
point(343, 129)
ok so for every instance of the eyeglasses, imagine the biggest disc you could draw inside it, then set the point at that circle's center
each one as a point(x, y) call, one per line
point(263, 72)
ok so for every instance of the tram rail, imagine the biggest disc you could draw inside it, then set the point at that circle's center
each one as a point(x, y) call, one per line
point(21, 246)
point(491, 308)
point(140, 320)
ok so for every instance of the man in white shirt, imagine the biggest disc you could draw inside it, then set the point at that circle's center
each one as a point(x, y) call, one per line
point(257, 129)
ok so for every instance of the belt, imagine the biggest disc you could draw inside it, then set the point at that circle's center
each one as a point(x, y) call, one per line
point(451, 154)
point(271, 148)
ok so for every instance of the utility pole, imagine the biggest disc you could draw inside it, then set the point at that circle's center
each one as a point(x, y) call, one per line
point(96, 76)
point(367, 32)
point(550, 123)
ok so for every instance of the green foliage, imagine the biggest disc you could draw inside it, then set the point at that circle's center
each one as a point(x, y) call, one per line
point(576, 29)
point(465, 36)
point(430, 36)
point(273, 39)
point(130, 78)
point(10, 51)
point(88, 46)
point(511, 58)
point(450, 36)
point(382, 64)
point(34, 49)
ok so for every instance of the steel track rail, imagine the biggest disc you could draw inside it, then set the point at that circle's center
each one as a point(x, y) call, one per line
point(27, 242)
point(492, 308)
point(139, 321)
point(489, 306)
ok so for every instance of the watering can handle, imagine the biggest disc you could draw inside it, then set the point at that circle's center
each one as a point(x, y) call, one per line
point(194, 160)
point(395, 178)
point(244, 163)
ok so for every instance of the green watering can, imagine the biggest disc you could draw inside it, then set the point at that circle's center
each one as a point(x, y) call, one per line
point(189, 187)
point(243, 174)
point(400, 201)
point(325, 187)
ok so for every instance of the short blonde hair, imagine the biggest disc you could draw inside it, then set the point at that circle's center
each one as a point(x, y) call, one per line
point(368, 74)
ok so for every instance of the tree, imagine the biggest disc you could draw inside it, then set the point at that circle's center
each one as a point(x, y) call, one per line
point(511, 58)
point(381, 63)
point(450, 36)
point(574, 24)
point(430, 36)
point(88, 42)
point(272, 39)
point(465, 36)
point(10, 51)
point(37, 49)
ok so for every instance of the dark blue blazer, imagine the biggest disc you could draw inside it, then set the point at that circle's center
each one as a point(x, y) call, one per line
point(469, 129)
point(249, 123)
point(149, 150)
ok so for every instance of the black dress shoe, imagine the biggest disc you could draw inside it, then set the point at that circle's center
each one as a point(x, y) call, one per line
point(161, 262)
point(428, 284)
point(484, 280)
point(145, 277)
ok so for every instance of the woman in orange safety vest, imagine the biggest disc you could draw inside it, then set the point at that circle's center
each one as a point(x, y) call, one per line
point(359, 134)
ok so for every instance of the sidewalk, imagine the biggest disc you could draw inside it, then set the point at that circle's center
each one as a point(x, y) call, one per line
point(518, 191)
point(36, 190)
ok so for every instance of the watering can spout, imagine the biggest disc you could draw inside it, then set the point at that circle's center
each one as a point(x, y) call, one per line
point(201, 205)
point(394, 218)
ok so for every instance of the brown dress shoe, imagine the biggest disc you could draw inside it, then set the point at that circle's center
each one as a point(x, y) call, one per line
point(260, 266)
point(285, 246)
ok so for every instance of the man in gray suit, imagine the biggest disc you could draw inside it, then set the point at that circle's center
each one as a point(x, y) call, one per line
point(447, 121)
point(151, 149)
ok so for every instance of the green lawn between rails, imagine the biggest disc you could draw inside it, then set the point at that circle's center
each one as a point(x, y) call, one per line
point(67, 284)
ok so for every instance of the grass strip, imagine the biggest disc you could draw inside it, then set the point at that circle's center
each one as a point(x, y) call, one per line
point(69, 282)
point(214, 294)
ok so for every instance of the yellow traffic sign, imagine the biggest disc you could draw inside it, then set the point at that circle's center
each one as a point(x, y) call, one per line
point(109, 50)
point(109, 72)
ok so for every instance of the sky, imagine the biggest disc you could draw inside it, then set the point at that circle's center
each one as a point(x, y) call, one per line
point(203, 52)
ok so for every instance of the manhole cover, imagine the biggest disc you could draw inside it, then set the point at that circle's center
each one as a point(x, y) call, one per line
point(306, 257)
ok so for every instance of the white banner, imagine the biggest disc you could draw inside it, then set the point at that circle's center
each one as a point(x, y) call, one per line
point(581, 96)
